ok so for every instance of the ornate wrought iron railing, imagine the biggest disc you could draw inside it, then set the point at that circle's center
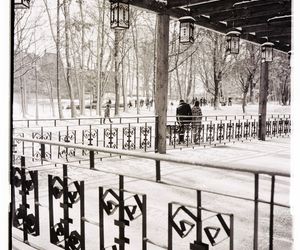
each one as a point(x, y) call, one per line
point(141, 136)
point(182, 218)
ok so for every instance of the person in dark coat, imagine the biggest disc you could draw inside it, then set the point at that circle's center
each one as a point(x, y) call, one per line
point(107, 112)
point(183, 117)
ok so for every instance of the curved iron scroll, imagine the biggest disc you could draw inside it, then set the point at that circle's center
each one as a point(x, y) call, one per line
point(67, 194)
point(25, 184)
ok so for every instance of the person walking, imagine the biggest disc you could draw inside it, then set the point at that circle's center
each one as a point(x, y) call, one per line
point(196, 122)
point(107, 113)
point(183, 117)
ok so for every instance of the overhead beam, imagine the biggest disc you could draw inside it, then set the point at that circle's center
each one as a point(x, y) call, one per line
point(152, 5)
point(267, 26)
point(249, 21)
point(249, 24)
point(274, 33)
point(212, 7)
point(257, 11)
point(216, 7)
point(183, 3)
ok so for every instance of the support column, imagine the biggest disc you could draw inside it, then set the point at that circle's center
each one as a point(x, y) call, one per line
point(263, 99)
point(161, 90)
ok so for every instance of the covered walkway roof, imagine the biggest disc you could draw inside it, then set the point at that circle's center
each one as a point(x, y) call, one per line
point(258, 20)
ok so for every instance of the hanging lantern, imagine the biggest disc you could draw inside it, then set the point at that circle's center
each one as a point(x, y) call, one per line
point(187, 26)
point(233, 41)
point(267, 52)
point(22, 4)
point(119, 15)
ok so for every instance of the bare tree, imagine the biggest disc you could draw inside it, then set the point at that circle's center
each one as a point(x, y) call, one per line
point(66, 8)
point(246, 71)
point(213, 63)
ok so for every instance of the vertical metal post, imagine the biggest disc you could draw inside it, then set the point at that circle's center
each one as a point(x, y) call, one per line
point(24, 200)
point(50, 200)
point(92, 159)
point(144, 226)
point(121, 213)
point(36, 202)
point(101, 219)
point(157, 163)
point(82, 214)
point(158, 175)
point(43, 153)
point(199, 218)
point(231, 243)
point(256, 191)
point(65, 206)
point(170, 236)
point(271, 228)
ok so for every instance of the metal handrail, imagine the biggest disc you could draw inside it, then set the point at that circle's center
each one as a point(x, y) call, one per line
point(164, 157)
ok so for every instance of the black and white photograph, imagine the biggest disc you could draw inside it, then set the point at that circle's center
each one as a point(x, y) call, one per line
point(150, 124)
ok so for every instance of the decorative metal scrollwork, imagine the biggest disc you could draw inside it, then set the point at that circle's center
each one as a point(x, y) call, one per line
point(253, 129)
point(274, 127)
point(238, 130)
point(280, 127)
point(210, 132)
point(229, 131)
point(67, 194)
point(129, 209)
point(220, 131)
point(287, 126)
point(90, 135)
point(18, 148)
point(129, 138)
point(184, 226)
point(145, 137)
point(110, 137)
point(66, 153)
point(247, 125)
point(36, 150)
point(184, 220)
point(26, 183)
point(268, 128)
point(42, 135)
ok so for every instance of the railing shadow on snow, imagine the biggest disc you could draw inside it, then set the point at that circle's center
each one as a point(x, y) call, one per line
point(72, 193)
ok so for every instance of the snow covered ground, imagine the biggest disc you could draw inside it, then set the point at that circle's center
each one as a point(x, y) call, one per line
point(273, 154)
point(235, 109)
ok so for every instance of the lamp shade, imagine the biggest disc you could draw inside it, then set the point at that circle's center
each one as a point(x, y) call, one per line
point(233, 42)
point(119, 15)
point(267, 51)
point(186, 33)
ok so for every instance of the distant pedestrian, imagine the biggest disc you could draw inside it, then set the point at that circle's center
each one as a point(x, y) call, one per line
point(183, 116)
point(141, 102)
point(129, 104)
point(196, 122)
point(151, 103)
point(147, 103)
point(107, 113)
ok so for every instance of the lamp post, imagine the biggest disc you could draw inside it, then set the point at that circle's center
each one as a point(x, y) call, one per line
point(119, 15)
point(187, 26)
point(22, 4)
point(267, 52)
point(233, 41)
